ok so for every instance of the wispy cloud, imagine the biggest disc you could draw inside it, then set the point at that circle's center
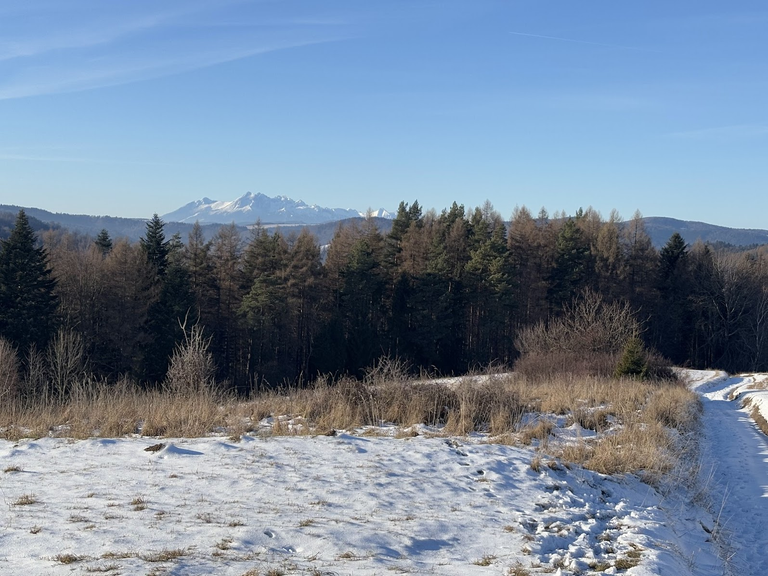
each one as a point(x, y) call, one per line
point(101, 50)
point(114, 72)
point(723, 133)
point(98, 29)
point(576, 41)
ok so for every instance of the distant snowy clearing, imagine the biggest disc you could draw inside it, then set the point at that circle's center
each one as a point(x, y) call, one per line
point(359, 504)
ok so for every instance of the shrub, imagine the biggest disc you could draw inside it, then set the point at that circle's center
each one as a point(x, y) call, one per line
point(632, 363)
point(587, 325)
point(191, 369)
point(9, 371)
point(590, 338)
point(65, 358)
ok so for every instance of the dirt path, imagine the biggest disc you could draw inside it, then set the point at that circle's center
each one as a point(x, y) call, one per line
point(735, 464)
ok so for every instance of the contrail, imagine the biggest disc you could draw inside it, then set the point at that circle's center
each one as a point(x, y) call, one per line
point(579, 41)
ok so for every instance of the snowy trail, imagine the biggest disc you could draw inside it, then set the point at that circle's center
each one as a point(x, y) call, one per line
point(735, 463)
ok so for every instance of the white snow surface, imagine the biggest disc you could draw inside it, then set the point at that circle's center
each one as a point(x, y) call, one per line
point(355, 504)
point(735, 465)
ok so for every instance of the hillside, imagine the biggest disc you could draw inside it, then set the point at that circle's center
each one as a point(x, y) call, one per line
point(134, 228)
point(658, 228)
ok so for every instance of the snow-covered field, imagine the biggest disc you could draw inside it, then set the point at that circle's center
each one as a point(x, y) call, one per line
point(354, 504)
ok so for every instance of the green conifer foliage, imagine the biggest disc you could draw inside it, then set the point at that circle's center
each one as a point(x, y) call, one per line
point(103, 242)
point(633, 363)
point(155, 245)
point(571, 265)
point(28, 304)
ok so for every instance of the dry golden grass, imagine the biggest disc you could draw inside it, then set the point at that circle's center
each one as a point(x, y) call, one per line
point(25, 500)
point(643, 444)
point(117, 410)
point(165, 555)
point(69, 558)
point(760, 420)
point(632, 418)
point(540, 430)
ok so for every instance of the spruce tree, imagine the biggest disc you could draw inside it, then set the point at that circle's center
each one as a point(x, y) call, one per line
point(672, 325)
point(571, 265)
point(632, 363)
point(155, 245)
point(28, 304)
point(175, 301)
point(103, 242)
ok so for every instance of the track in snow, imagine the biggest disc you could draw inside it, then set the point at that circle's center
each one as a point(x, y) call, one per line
point(735, 463)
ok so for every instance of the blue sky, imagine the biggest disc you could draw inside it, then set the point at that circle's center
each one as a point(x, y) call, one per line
point(131, 108)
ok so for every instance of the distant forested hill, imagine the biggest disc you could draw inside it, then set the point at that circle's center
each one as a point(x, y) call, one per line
point(134, 228)
point(658, 228)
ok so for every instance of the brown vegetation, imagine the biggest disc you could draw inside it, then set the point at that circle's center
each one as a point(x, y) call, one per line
point(635, 418)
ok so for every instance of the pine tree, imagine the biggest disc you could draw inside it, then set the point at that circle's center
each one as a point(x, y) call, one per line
point(530, 256)
point(155, 245)
point(28, 304)
point(128, 289)
point(571, 265)
point(361, 297)
point(264, 305)
point(197, 256)
point(671, 326)
point(226, 251)
point(103, 242)
point(304, 296)
point(175, 301)
point(633, 363)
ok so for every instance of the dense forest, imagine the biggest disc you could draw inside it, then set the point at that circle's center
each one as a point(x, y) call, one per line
point(444, 293)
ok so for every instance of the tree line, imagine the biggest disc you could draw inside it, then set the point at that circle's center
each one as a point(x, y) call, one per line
point(444, 292)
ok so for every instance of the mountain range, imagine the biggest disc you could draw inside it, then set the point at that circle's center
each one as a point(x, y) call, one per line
point(289, 215)
point(251, 207)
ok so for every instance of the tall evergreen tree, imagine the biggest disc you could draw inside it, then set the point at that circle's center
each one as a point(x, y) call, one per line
point(27, 301)
point(155, 246)
point(129, 289)
point(304, 297)
point(197, 257)
point(400, 225)
point(361, 297)
point(103, 242)
point(530, 257)
point(226, 345)
point(672, 322)
point(175, 299)
point(571, 265)
point(264, 306)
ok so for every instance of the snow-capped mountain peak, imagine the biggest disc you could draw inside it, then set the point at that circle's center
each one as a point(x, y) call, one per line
point(251, 207)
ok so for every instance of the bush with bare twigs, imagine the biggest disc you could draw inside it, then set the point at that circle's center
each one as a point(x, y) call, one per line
point(590, 337)
point(65, 364)
point(9, 371)
point(191, 369)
